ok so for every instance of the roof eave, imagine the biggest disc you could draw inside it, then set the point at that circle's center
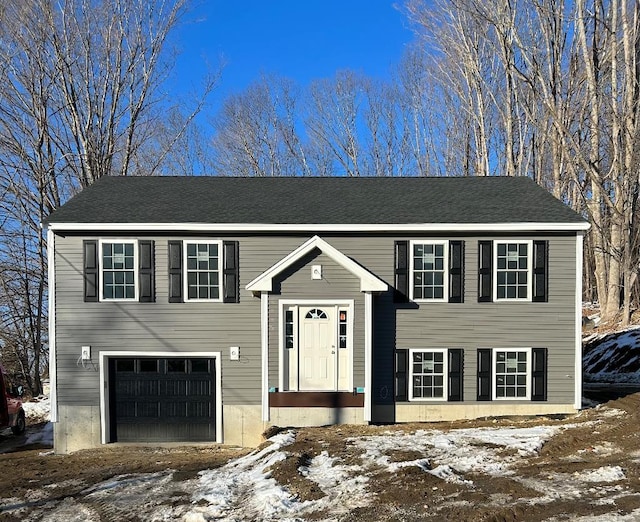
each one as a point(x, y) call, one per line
point(322, 227)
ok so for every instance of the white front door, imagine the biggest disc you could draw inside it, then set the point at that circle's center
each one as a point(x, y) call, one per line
point(317, 348)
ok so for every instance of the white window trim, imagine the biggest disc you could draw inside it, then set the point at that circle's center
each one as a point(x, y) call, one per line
point(294, 304)
point(445, 372)
point(136, 296)
point(528, 242)
point(445, 295)
point(494, 362)
point(185, 278)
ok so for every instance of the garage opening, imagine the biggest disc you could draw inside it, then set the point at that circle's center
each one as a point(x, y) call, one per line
point(169, 399)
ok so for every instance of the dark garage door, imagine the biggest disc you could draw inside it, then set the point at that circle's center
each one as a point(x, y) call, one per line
point(162, 399)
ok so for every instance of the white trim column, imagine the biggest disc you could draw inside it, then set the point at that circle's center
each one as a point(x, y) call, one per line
point(578, 333)
point(53, 371)
point(368, 355)
point(264, 342)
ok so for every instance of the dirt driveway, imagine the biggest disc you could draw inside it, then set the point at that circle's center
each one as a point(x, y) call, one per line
point(33, 481)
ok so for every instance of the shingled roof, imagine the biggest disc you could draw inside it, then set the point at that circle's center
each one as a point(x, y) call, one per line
point(314, 200)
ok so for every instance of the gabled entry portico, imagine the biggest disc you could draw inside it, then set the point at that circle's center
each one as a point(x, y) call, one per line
point(321, 356)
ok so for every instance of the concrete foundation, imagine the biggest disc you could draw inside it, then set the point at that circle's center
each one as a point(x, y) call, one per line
point(450, 412)
point(243, 425)
point(78, 427)
point(298, 417)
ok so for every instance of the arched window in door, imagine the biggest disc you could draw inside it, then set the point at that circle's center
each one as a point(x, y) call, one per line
point(316, 313)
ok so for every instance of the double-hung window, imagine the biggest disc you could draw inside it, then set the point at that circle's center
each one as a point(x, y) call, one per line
point(118, 277)
point(428, 374)
point(429, 261)
point(203, 262)
point(512, 373)
point(513, 270)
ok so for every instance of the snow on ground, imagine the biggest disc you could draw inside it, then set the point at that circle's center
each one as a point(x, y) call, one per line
point(38, 411)
point(613, 357)
point(454, 453)
point(244, 490)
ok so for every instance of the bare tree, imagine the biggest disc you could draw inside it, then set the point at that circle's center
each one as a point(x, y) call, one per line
point(256, 132)
point(559, 82)
point(80, 98)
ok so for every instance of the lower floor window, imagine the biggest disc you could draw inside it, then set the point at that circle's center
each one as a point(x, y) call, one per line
point(428, 374)
point(512, 374)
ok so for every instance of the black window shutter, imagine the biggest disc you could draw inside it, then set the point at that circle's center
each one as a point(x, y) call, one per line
point(456, 365)
point(540, 271)
point(146, 266)
point(401, 293)
point(175, 272)
point(402, 375)
point(539, 375)
point(456, 271)
point(90, 247)
point(230, 270)
point(485, 273)
point(484, 374)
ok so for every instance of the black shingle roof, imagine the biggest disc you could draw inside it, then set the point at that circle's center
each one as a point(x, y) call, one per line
point(314, 200)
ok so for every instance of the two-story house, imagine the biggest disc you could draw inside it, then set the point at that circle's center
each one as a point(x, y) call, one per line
point(207, 309)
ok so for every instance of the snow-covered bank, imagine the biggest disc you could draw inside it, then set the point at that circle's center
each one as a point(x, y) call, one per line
point(612, 357)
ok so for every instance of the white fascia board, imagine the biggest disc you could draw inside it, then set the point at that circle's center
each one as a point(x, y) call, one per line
point(316, 227)
point(368, 282)
point(53, 369)
point(264, 349)
point(368, 356)
point(578, 322)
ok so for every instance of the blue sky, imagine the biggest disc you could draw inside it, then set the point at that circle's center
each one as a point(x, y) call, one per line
point(302, 40)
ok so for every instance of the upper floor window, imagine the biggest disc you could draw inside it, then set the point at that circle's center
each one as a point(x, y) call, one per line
point(118, 262)
point(513, 267)
point(203, 262)
point(429, 261)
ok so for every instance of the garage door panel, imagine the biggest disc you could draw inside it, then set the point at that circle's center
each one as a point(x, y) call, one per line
point(200, 387)
point(199, 409)
point(175, 403)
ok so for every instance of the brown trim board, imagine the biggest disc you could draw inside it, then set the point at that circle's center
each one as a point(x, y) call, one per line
point(316, 400)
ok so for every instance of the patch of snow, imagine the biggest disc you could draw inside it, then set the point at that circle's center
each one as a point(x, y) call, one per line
point(343, 485)
point(244, 486)
point(459, 451)
point(613, 357)
point(244, 490)
point(603, 474)
point(447, 473)
point(604, 449)
point(37, 410)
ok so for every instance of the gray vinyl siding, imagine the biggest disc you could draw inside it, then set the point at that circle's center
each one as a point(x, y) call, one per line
point(205, 327)
point(159, 326)
point(472, 325)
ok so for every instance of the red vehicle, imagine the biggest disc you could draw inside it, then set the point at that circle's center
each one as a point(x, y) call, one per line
point(11, 411)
